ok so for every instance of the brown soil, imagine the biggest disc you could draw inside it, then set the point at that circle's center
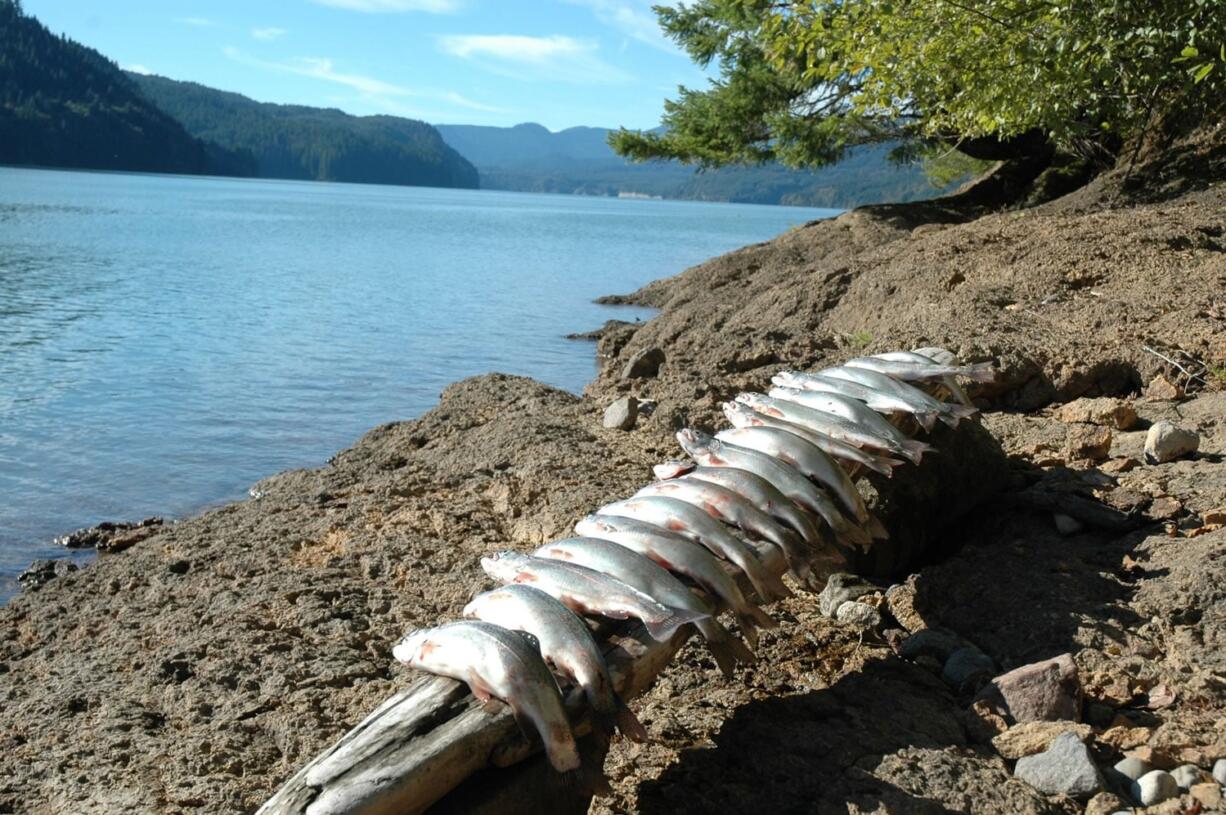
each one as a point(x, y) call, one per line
point(199, 668)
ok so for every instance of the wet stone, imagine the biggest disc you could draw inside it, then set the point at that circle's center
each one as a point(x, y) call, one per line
point(42, 572)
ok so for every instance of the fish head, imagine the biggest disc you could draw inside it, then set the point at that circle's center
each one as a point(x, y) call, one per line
point(412, 647)
point(694, 442)
point(672, 468)
point(504, 566)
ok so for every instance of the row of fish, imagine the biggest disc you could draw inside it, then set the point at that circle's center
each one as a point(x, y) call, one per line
point(669, 555)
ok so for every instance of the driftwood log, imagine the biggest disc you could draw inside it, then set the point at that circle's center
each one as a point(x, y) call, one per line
point(433, 747)
point(421, 743)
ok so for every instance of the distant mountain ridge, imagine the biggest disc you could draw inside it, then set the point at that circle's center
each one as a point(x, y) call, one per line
point(530, 158)
point(317, 144)
point(65, 105)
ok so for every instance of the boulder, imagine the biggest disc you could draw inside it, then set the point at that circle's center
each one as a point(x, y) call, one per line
point(1114, 413)
point(644, 364)
point(1065, 768)
point(622, 414)
point(1047, 690)
point(1167, 442)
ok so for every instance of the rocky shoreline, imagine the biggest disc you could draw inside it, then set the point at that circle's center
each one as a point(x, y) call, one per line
point(199, 667)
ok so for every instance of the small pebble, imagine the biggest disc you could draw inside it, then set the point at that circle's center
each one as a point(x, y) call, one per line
point(1219, 771)
point(1132, 767)
point(1154, 787)
point(966, 666)
point(1067, 525)
point(1186, 775)
point(861, 615)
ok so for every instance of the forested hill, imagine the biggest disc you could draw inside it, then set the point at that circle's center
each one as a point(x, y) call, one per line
point(322, 144)
point(530, 158)
point(65, 105)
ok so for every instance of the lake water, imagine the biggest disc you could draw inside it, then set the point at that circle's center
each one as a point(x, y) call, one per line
point(167, 341)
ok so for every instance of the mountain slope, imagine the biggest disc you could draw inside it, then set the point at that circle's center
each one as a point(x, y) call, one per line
point(65, 105)
point(528, 157)
point(322, 144)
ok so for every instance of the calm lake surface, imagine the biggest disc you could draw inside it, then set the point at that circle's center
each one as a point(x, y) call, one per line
point(167, 341)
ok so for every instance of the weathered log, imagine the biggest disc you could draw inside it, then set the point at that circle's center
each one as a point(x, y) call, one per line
point(422, 742)
point(433, 744)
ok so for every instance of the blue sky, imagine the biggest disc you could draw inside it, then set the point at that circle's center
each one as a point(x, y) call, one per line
point(499, 62)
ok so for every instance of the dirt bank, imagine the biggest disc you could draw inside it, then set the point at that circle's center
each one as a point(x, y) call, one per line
point(197, 669)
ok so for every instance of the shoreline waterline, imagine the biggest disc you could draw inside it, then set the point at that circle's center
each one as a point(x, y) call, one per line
point(146, 378)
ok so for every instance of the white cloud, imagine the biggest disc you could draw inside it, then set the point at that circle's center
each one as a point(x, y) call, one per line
point(137, 68)
point(386, 96)
point(634, 18)
point(521, 57)
point(384, 6)
point(269, 33)
point(198, 22)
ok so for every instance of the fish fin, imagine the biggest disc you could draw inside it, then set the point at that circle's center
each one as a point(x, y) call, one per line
point(881, 464)
point(629, 724)
point(915, 450)
point(979, 372)
point(749, 629)
point(777, 588)
point(963, 411)
point(760, 618)
point(483, 694)
point(672, 469)
point(852, 534)
point(927, 420)
point(663, 630)
point(726, 649)
point(876, 528)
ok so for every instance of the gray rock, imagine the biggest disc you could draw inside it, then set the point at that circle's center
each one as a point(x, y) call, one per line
point(861, 615)
point(1131, 768)
point(967, 668)
point(1167, 442)
point(1186, 775)
point(933, 642)
point(1154, 787)
point(622, 414)
point(42, 572)
point(1065, 768)
point(1219, 771)
point(643, 364)
point(840, 588)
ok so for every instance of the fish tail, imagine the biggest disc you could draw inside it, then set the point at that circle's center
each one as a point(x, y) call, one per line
point(928, 419)
point(850, 533)
point(979, 372)
point(663, 630)
point(963, 411)
point(914, 450)
point(629, 724)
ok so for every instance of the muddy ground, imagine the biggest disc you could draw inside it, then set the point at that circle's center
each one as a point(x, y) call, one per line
point(198, 668)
